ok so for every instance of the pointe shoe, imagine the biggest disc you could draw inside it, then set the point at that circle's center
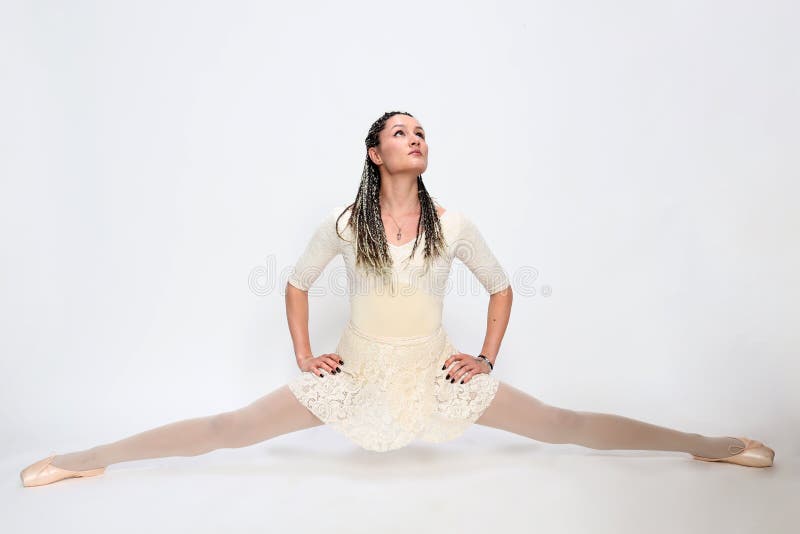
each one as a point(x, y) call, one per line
point(42, 472)
point(754, 454)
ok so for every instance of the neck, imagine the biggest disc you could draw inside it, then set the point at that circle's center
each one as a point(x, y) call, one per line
point(399, 197)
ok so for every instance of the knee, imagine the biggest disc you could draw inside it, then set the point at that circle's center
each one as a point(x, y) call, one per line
point(564, 418)
point(223, 425)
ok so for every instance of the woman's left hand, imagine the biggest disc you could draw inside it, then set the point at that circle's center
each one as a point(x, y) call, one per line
point(464, 367)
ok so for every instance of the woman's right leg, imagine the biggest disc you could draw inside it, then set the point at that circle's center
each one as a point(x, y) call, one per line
point(514, 410)
point(276, 413)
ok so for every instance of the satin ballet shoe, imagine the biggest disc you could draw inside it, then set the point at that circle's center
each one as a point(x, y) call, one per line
point(42, 472)
point(754, 454)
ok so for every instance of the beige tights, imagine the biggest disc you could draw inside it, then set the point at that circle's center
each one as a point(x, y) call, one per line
point(276, 413)
point(515, 411)
point(279, 412)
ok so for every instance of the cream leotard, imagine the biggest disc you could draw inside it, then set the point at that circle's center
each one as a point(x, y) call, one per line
point(392, 388)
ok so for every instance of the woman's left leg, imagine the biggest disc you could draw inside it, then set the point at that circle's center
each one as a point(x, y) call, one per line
point(274, 414)
point(515, 411)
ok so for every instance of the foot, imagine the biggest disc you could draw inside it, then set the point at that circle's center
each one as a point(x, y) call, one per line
point(43, 472)
point(76, 461)
point(719, 447)
point(753, 454)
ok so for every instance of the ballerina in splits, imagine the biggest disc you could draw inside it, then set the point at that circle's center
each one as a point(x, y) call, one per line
point(395, 375)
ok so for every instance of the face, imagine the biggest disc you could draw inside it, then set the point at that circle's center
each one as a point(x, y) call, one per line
point(402, 147)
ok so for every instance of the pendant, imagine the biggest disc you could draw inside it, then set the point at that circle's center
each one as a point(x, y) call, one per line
point(398, 236)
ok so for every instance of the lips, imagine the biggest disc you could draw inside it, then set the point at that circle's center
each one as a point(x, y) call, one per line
point(415, 152)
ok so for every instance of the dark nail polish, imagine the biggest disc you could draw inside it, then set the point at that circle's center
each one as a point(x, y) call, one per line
point(447, 377)
point(453, 381)
point(443, 367)
point(338, 370)
point(462, 381)
point(341, 362)
point(321, 375)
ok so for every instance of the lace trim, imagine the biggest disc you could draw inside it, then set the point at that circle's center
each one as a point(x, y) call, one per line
point(390, 393)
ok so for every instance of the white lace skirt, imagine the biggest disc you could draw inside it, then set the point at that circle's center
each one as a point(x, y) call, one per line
point(392, 390)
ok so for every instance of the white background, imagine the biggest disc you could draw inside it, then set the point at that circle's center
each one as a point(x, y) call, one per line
point(640, 158)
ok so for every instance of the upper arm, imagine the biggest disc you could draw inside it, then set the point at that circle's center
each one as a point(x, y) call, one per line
point(471, 248)
point(320, 250)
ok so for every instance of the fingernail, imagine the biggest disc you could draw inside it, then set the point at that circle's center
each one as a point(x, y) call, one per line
point(321, 375)
point(462, 381)
point(443, 367)
point(338, 370)
point(341, 362)
point(453, 381)
point(447, 377)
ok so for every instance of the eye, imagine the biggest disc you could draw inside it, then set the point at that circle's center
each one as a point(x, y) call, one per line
point(422, 135)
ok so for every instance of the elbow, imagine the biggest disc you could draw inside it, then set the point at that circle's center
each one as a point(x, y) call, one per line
point(293, 292)
point(504, 296)
point(503, 291)
point(295, 285)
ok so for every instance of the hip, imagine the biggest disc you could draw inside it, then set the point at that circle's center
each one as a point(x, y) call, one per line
point(370, 355)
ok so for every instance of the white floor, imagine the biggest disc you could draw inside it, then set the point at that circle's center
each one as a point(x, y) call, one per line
point(487, 481)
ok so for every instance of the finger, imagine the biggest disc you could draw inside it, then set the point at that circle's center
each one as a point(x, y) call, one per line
point(465, 376)
point(464, 371)
point(449, 361)
point(323, 364)
point(456, 374)
point(333, 359)
point(468, 376)
point(333, 363)
point(451, 376)
point(450, 371)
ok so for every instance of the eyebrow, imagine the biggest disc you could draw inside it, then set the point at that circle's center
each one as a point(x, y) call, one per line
point(403, 125)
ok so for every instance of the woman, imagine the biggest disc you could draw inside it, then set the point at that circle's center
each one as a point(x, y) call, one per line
point(395, 375)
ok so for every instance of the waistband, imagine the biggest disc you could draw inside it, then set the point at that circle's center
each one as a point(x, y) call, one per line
point(396, 340)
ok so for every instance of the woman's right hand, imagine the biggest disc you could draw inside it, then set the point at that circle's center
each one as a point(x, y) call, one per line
point(325, 362)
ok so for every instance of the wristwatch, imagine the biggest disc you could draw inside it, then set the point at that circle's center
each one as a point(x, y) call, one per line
point(484, 358)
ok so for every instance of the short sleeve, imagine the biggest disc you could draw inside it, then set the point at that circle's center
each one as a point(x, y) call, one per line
point(320, 250)
point(471, 248)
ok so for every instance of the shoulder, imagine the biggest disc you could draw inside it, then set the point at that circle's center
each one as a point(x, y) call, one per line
point(457, 221)
point(326, 224)
point(446, 215)
point(333, 213)
point(338, 217)
point(452, 221)
point(467, 235)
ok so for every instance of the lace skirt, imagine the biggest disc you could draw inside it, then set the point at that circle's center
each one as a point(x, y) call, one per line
point(392, 390)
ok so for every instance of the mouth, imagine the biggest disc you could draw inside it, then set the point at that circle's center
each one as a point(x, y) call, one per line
point(416, 152)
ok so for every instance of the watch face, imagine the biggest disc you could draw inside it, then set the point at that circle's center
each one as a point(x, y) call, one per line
point(484, 359)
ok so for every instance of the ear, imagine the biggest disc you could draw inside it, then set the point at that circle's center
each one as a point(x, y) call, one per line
point(374, 156)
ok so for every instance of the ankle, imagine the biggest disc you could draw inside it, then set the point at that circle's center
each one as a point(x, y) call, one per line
point(717, 447)
point(77, 461)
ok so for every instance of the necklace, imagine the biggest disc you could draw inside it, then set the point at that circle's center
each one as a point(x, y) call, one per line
point(399, 229)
